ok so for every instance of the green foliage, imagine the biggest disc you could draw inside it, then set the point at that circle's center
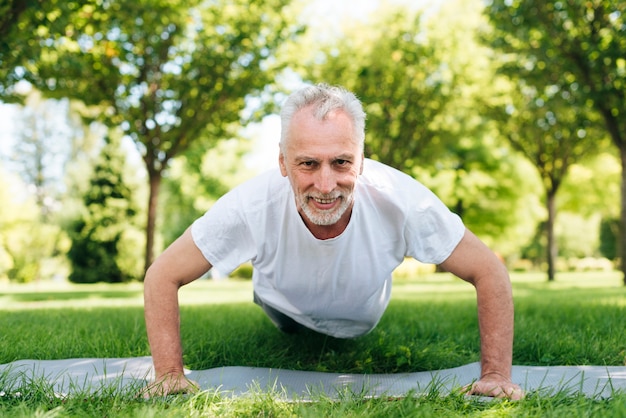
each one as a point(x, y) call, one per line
point(609, 234)
point(41, 149)
point(244, 271)
point(168, 73)
point(423, 86)
point(591, 187)
point(579, 42)
point(403, 93)
point(547, 114)
point(97, 235)
point(9, 11)
point(174, 76)
point(496, 201)
point(577, 236)
point(573, 52)
point(23, 25)
point(546, 125)
point(28, 245)
point(33, 247)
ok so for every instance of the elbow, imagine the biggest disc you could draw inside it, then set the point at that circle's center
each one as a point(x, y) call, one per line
point(156, 276)
point(149, 276)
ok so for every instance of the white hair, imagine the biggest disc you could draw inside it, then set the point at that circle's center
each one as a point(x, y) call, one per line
point(324, 99)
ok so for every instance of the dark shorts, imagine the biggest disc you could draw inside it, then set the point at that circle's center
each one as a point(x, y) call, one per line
point(283, 322)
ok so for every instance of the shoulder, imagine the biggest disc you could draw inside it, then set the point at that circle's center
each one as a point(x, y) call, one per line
point(385, 185)
point(245, 205)
point(267, 186)
point(268, 178)
point(387, 180)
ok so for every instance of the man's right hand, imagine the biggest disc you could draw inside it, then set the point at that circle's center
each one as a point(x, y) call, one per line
point(171, 384)
point(181, 263)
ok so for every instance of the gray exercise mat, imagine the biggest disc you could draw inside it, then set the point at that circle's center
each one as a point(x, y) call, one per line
point(109, 375)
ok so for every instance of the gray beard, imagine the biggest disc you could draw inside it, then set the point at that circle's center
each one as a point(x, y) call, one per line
point(325, 217)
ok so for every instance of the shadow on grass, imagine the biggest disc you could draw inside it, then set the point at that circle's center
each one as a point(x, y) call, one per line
point(410, 337)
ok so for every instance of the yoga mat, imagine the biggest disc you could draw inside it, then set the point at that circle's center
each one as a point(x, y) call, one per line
point(102, 375)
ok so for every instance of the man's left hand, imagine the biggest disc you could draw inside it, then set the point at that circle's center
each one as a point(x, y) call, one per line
point(496, 386)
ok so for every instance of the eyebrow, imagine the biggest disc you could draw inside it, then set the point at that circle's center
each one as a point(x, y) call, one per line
point(345, 157)
point(300, 158)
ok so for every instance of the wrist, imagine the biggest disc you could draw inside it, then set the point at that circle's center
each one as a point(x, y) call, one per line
point(168, 372)
point(504, 376)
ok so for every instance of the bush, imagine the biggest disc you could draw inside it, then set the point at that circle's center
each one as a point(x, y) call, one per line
point(244, 271)
point(93, 260)
point(97, 234)
point(609, 235)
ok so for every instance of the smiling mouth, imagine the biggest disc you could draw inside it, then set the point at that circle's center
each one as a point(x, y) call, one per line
point(324, 203)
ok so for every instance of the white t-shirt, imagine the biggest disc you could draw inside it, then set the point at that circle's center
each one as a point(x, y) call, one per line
point(340, 286)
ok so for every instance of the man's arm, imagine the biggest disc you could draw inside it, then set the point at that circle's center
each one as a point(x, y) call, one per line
point(181, 263)
point(474, 262)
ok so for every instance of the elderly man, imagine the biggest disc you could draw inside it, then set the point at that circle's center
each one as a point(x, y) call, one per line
point(324, 233)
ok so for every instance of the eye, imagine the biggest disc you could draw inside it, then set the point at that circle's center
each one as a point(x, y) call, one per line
point(341, 162)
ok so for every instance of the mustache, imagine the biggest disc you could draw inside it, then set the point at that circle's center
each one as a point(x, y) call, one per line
point(325, 196)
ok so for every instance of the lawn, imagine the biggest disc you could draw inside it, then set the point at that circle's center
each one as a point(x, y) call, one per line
point(430, 324)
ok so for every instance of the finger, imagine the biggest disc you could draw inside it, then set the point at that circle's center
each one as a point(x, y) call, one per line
point(510, 391)
point(479, 388)
point(515, 393)
point(169, 387)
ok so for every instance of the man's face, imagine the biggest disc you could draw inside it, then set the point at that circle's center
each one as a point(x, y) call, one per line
point(322, 160)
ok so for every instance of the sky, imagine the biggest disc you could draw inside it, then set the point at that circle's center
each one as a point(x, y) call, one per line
point(324, 16)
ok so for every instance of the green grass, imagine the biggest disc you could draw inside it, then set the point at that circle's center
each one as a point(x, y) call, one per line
point(430, 324)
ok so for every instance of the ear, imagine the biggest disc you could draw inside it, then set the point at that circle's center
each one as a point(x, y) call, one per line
point(281, 163)
point(362, 161)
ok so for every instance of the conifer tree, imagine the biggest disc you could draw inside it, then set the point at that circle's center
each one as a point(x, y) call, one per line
point(97, 233)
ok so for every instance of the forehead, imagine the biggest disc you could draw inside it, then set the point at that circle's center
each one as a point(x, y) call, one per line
point(332, 134)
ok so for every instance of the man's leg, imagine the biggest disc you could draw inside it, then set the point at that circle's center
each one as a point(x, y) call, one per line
point(282, 321)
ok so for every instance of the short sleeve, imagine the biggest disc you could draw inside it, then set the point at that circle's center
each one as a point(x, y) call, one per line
point(222, 234)
point(431, 230)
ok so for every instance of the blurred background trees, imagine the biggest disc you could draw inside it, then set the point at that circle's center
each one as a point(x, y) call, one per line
point(496, 108)
point(165, 73)
point(424, 86)
point(571, 55)
point(106, 221)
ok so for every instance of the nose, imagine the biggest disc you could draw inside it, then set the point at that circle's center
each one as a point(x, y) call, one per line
point(326, 181)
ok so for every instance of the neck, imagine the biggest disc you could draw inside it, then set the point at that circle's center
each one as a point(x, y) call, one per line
point(324, 232)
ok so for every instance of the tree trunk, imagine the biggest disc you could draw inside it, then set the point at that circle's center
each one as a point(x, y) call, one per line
point(621, 247)
point(552, 249)
point(153, 201)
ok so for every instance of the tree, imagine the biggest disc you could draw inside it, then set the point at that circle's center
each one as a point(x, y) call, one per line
point(10, 10)
point(30, 249)
point(403, 94)
point(590, 190)
point(23, 25)
point(96, 236)
point(544, 124)
point(167, 73)
point(422, 86)
point(582, 43)
point(42, 148)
